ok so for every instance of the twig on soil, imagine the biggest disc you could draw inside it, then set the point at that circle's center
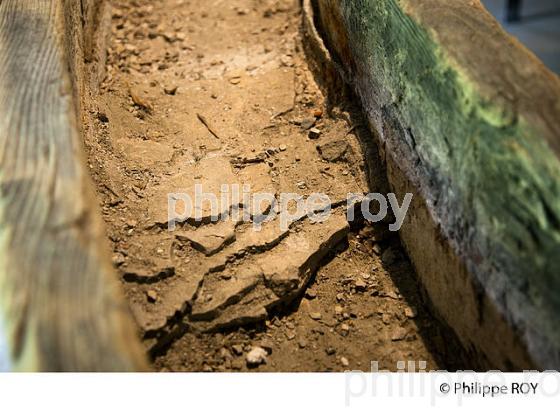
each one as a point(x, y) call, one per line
point(325, 172)
point(117, 199)
point(281, 113)
point(204, 121)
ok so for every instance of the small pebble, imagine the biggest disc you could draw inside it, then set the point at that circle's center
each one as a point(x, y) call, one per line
point(256, 357)
point(267, 346)
point(314, 133)
point(152, 296)
point(386, 318)
point(410, 312)
point(392, 294)
point(118, 259)
point(398, 334)
point(307, 123)
point(315, 315)
point(290, 334)
point(237, 349)
point(170, 90)
point(360, 285)
point(310, 294)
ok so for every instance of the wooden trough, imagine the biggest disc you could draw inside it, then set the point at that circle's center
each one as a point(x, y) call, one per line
point(466, 118)
point(468, 121)
point(60, 302)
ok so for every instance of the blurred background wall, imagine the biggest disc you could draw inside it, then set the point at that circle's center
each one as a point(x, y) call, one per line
point(538, 27)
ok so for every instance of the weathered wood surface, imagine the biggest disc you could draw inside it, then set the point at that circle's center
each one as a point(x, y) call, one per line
point(469, 121)
point(60, 304)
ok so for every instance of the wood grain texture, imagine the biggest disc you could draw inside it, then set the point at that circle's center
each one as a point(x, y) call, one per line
point(469, 120)
point(60, 305)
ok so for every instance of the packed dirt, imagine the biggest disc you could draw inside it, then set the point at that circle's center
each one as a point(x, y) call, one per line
point(220, 92)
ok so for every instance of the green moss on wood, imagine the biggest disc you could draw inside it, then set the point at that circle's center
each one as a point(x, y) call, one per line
point(493, 180)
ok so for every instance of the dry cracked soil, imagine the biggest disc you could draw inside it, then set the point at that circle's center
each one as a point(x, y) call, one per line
point(220, 92)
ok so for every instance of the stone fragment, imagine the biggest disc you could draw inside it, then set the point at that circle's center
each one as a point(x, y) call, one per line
point(170, 89)
point(152, 296)
point(138, 98)
point(170, 199)
point(360, 285)
point(118, 259)
point(314, 133)
point(310, 294)
point(392, 295)
point(237, 350)
point(256, 357)
point(307, 123)
point(315, 315)
point(267, 346)
point(410, 312)
point(333, 151)
point(210, 239)
point(398, 334)
point(386, 318)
